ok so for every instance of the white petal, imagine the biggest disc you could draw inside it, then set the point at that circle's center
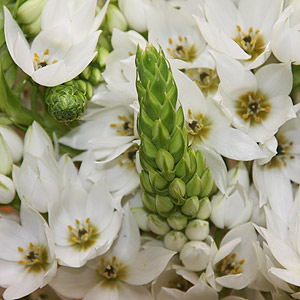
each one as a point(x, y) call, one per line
point(292, 277)
point(127, 291)
point(147, 265)
point(99, 17)
point(104, 290)
point(237, 282)
point(275, 79)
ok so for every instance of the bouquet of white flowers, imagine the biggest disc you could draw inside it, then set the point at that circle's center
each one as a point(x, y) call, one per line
point(149, 149)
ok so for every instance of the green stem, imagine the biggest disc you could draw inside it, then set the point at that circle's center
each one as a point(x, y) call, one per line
point(22, 85)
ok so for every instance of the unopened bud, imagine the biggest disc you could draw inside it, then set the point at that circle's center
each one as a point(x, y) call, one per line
point(204, 209)
point(190, 206)
point(30, 10)
point(207, 183)
point(6, 160)
point(140, 215)
point(195, 255)
point(193, 187)
point(13, 141)
point(157, 225)
point(164, 205)
point(158, 182)
point(177, 191)
point(115, 18)
point(148, 201)
point(33, 28)
point(164, 160)
point(177, 221)
point(197, 230)
point(95, 76)
point(175, 240)
point(7, 190)
point(102, 55)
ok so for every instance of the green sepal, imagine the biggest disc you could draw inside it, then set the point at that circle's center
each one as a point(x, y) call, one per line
point(160, 135)
point(191, 206)
point(179, 118)
point(157, 224)
point(200, 162)
point(207, 183)
point(194, 186)
point(152, 105)
point(145, 123)
point(177, 145)
point(168, 115)
point(158, 182)
point(146, 184)
point(141, 91)
point(165, 163)
point(149, 201)
point(158, 85)
point(164, 205)
point(177, 221)
point(148, 151)
point(177, 191)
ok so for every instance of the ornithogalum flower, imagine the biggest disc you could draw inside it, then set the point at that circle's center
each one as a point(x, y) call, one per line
point(54, 56)
point(27, 259)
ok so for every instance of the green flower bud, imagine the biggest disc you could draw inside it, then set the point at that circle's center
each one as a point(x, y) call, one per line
point(115, 18)
point(149, 201)
point(102, 55)
point(33, 28)
point(193, 187)
point(177, 221)
point(86, 73)
point(65, 103)
point(160, 135)
point(140, 215)
point(177, 144)
point(30, 10)
point(207, 183)
point(145, 181)
point(204, 209)
point(190, 206)
point(177, 191)
point(158, 225)
point(95, 76)
point(148, 151)
point(165, 163)
point(200, 162)
point(158, 182)
point(197, 230)
point(175, 240)
point(89, 90)
point(164, 205)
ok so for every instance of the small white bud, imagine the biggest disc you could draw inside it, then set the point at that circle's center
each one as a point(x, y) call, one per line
point(7, 189)
point(197, 230)
point(157, 224)
point(115, 18)
point(6, 160)
point(175, 240)
point(195, 255)
point(140, 215)
point(204, 209)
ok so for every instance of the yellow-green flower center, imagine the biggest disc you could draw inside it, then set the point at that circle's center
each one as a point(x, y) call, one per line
point(229, 265)
point(253, 107)
point(34, 258)
point(39, 63)
point(182, 48)
point(83, 235)
point(250, 41)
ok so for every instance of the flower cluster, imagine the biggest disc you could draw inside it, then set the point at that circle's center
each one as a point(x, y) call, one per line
point(150, 149)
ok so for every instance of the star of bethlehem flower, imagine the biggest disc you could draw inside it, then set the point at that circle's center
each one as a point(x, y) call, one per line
point(241, 31)
point(259, 103)
point(84, 225)
point(57, 54)
point(27, 260)
point(121, 273)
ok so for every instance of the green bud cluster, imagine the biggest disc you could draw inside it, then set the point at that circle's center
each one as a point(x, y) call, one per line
point(176, 184)
point(66, 102)
point(29, 16)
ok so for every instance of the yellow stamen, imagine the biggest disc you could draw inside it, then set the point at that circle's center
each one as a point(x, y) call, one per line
point(257, 119)
point(77, 221)
point(180, 38)
point(46, 52)
point(87, 220)
point(238, 27)
point(70, 227)
point(245, 116)
point(20, 249)
point(170, 41)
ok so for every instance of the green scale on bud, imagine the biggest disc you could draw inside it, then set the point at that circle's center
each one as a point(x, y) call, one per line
point(67, 102)
point(174, 177)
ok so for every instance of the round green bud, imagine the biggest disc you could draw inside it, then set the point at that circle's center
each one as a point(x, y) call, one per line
point(65, 103)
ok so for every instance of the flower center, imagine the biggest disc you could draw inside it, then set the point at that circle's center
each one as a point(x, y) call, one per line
point(253, 107)
point(83, 235)
point(229, 265)
point(34, 258)
point(124, 127)
point(109, 270)
point(182, 49)
point(128, 158)
point(250, 41)
point(180, 284)
point(197, 125)
point(206, 79)
point(41, 63)
point(284, 150)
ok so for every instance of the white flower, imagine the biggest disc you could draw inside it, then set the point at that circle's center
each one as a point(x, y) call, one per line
point(27, 259)
point(36, 141)
point(53, 57)
point(241, 31)
point(13, 141)
point(234, 265)
point(7, 189)
point(38, 180)
point(84, 225)
point(257, 103)
point(118, 274)
point(208, 125)
point(286, 36)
